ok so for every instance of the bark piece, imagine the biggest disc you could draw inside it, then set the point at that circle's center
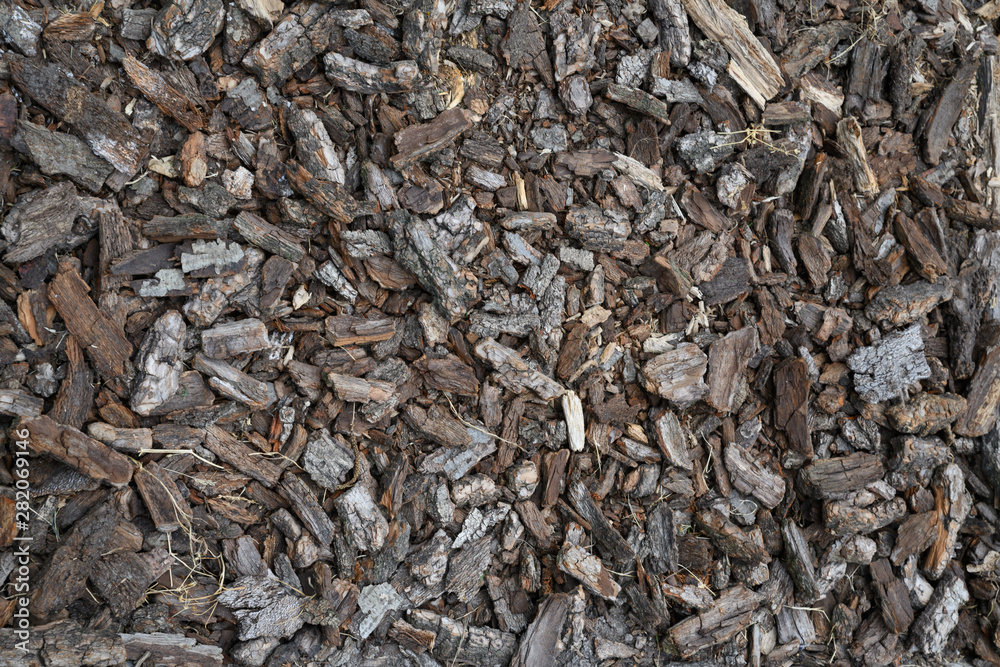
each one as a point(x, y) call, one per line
point(454, 639)
point(946, 112)
point(535, 523)
point(902, 304)
point(159, 363)
point(364, 525)
point(170, 101)
point(171, 650)
point(191, 394)
point(727, 359)
point(105, 342)
point(184, 29)
point(983, 397)
point(263, 607)
point(241, 457)
point(612, 545)
point(345, 330)
point(555, 473)
point(780, 226)
point(750, 476)
point(728, 537)
point(661, 532)
point(361, 77)
point(359, 390)
point(751, 65)
point(264, 235)
point(419, 141)
point(843, 518)
point(816, 259)
point(79, 451)
point(438, 425)
point(76, 394)
point(454, 289)
point(234, 338)
point(849, 136)
point(19, 29)
point(915, 534)
point(675, 37)
point(575, 426)
point(328, 460)
point(791, 412)
point(266, 10)
point(298, 38)
point(838, 477)
point(465, 568)
point(183, 227)
point(524, 43)
point(274, 276)
point(596, 230)
point(868, 69)
point(885, 369)
point(673, 440)
point(307, 508)
point(167, 508)
point(235, 384)
point(58, 153)
point(540, 643)
point(107, 132)
point(701, 210)
point(41, 222)
point(474, 59)
point(940, 617)
point(678, 375)
point(926, 257)
point(314, 147)
point(799, 560)
point(639, 100)
point(247, 104)
point(67, 570)
point(131, 440)
point(123, 578)
point(588, 570)
point(514, 373)
point(894, 598)
point(327, 196)
point(952, 503)
point(449, 373)
point(731, 282)
point(16, 403)
point(730, 613)
point(814, 45)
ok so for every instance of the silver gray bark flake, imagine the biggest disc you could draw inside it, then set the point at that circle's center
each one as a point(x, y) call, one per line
point(478, 523)
point(330, 275)
point(18, 29)
point(458, 231)
point(263, 607)
point(940, 617)
point(454, 289)
point(887, 368)
point(454, 462)
point(167, 280)
point(375, 602)
point(205, 254)
point(186, 28)
point(327, 461)
point(364, 524)
point(159, 363)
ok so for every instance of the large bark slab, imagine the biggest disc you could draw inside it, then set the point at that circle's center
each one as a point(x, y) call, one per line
point(107, 132)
